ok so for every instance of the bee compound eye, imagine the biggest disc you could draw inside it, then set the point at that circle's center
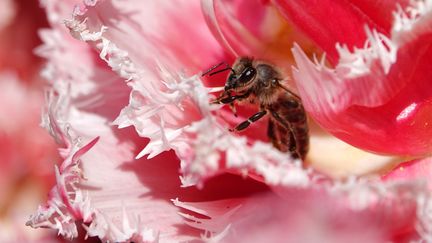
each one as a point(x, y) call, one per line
point(247, 75)
point(230, 83)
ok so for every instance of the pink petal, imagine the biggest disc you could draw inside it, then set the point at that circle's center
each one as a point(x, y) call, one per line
point(419, 169)
point(395, 111)
point(348, 213)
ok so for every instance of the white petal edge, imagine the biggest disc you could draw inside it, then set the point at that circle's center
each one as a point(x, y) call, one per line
point(411, 22)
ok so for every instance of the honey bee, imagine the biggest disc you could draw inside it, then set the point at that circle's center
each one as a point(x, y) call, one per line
point(259, 83)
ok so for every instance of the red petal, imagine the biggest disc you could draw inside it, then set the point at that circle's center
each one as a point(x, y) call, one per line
point(327, 22)
point(380, 11)
point(251, 28)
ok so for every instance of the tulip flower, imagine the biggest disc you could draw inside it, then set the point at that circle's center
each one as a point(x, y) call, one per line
point(147, 158)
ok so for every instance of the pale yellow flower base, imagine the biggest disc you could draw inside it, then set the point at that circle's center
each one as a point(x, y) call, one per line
point(339, 159)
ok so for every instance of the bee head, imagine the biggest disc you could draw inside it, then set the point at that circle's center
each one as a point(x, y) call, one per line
point(242, 75)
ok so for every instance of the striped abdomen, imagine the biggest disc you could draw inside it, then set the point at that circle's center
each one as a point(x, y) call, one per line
point(288, 128)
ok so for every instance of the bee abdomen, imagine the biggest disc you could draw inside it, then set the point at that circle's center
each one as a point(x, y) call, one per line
point(291, 111)
point(298, 121)
point(301, 133)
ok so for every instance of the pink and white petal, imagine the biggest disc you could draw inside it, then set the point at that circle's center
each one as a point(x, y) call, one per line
point(412, 22)
point(65, 205)
point(91, 183)
point(137, 32)
point(87, 97)
point(56, 13)
point(119, 198)
point(418, 169)
point(367, 212)
point(396, 68)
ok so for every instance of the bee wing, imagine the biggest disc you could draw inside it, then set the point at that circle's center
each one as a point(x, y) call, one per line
point(281, 138)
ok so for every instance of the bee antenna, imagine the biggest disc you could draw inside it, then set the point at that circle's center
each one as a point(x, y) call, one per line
point(289, 91)
point(210, 71)
point(222, 70)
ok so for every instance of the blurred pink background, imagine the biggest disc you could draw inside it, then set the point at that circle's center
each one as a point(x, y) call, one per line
point(27, 152)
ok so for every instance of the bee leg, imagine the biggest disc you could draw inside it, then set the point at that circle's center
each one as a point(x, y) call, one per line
point(277, 135)
point(255, 117)
point(273, 134)
point(233, 108)
point(293, 140)
point(226, 98)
